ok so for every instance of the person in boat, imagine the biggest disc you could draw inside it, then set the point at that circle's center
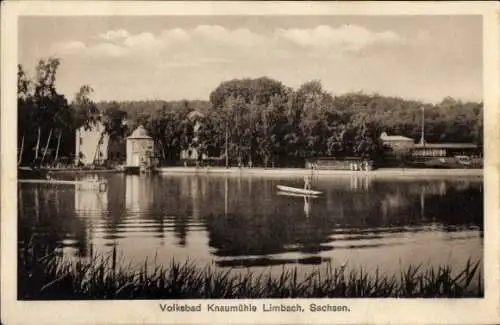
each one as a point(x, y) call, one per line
point(307, 183)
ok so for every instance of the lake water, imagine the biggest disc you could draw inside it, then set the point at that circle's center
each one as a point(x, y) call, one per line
point(239, 222)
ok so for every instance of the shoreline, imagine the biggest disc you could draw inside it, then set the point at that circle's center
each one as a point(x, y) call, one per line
point(80, 171)
point(382, 172)
point(276, 172)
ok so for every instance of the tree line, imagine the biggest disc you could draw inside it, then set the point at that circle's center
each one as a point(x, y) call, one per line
point(259, 121)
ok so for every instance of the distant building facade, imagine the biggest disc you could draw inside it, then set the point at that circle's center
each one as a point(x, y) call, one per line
point(140, 150)
point(397, 143)
point(445, 150)
point(192, 154)
point(401, 144)
point(91, 145)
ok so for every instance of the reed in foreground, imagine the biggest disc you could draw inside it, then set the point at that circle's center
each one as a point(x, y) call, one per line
point(53, 277)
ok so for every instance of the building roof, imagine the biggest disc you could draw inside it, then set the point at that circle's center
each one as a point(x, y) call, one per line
point(95, 126)
point(445, 146)
point(139, 133)
point(386, 137)
point(195, 114)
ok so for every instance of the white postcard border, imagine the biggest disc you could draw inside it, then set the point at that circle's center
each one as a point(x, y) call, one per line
point(376, 311)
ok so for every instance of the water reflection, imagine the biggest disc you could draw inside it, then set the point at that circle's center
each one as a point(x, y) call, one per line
point(90, 202)
point(307, 206)
point(138, 193)
point(47, 220)
point(244, 222)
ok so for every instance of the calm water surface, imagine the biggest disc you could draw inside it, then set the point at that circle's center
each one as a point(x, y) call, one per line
point(239, 222)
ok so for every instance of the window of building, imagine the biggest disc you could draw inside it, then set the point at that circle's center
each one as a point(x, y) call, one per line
point(81, 140)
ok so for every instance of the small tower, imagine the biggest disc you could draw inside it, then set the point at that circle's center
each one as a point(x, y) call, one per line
point(140, 151)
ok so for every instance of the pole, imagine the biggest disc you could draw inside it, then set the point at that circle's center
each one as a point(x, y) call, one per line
point(422, 137)
point(227, 158)
point(20, 158)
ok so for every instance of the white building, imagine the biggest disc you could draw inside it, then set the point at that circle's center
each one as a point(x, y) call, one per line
point(91, 145)
point(397, 142)
point(140, 149)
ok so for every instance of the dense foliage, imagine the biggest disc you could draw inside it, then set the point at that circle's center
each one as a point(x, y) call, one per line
point(256, 120)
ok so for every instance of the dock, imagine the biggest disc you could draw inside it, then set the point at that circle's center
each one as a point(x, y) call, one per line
point(49, 181)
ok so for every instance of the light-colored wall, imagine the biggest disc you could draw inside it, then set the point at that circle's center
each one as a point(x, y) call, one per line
point(400, 145)
point(86, 143)
point(139, 148)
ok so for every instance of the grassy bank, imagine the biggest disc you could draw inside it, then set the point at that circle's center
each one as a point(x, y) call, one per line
point(52, 277)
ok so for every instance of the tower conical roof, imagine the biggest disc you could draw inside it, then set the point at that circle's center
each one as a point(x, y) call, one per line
point(139, 133)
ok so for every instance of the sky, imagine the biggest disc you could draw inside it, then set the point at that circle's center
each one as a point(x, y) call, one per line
point(186, 57)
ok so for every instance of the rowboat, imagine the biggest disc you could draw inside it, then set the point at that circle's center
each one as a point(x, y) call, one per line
point(297, 190)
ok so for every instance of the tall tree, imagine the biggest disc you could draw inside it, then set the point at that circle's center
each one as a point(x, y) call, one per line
point(25, 110)
point(47, 101)
point(86, 112)
point(87, 115)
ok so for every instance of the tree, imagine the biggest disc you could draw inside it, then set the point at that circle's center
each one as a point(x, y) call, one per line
point(258, 119)
point(50, 106)
point(43, 110)
point(25, 109)
point(114, 121)
point(87, 115)
point(362, 139)
point(86, 112)
point(211, 134)
point(63, 121)
point(239, 103)
point(170, 128)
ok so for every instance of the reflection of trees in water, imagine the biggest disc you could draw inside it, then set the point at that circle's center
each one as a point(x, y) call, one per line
point(114, 214)
point(47, 219)
point(181, 219)
point(184, 202)
point(415, 203)
point(245, 215)
point(460, 208)
point(270, 227)
point(448, 203)
point(181, 228)
point(257, 225)
point(258, 234)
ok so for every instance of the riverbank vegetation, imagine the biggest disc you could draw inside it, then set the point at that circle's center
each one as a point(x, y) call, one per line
point(260, 120)
point(52, 277)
